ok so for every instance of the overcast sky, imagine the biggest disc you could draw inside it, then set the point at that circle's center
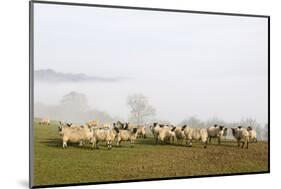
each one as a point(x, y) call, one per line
point(186, 64)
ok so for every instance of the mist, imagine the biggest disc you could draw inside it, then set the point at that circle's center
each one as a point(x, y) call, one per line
point(185, 64)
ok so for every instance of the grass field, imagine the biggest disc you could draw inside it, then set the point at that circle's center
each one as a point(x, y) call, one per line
point(55, 165)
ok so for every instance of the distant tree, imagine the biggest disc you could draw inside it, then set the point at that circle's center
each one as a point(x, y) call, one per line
point(265, 132)
point(75, 101)
point(140, 109)
point(193, 121)
point(215, 121)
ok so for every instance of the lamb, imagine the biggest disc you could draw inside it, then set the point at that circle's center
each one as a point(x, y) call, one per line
point(106, 135)
point(215, 132)
point(74, 134)
point(252, 134)
point(195, 134)
point(127, 135)
point(241, 134)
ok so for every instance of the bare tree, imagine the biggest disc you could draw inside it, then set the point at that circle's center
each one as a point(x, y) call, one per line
point(194, 122)
point(140, 108)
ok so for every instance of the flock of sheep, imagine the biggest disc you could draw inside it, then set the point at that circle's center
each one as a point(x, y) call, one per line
point(94, 133)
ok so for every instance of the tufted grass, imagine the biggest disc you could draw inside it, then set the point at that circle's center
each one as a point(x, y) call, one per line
point(55, 165)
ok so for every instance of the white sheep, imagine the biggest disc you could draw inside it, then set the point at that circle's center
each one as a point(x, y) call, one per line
point(74, 134)
point(179, 134)
point(165, 134)
point(44, 121)
point(141, 131)
point(252, 134)
point(241, 135)
point(105, 135)
point(127, 135)
point(215, 131)
point(195, 134)
point(155, 129)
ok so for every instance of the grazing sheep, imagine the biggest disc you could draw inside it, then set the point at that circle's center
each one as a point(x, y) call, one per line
point(44, 121)
point(241, 134)
point(166, 134)
point(127, 135)
point(195, 134)
point(252, 134)
point(215, 132)
point(74, 134)
point(106, 135)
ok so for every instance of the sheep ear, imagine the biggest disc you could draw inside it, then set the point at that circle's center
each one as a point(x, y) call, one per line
point(69, 124)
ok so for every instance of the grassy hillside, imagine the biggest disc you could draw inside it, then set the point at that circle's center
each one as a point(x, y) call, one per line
point(55, 165)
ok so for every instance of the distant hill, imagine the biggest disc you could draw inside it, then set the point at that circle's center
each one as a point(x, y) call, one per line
point(49, 75)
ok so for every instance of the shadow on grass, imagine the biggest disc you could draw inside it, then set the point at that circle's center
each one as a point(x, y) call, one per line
point(57, 143)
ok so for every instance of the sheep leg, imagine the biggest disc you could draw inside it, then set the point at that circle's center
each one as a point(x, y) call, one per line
point(132, 143)
point(109, 144)
point(64, 144)
point(118, 143)
point(81, 143)
point(243, 143)
point(190, 142)
point(97, 147)
point(219, 140)
point(238, 142)
point(205, 144)
point(210, 139)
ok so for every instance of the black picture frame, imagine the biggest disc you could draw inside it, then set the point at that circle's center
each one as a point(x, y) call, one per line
point(31, 87)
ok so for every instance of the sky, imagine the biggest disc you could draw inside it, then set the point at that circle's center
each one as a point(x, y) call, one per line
point(186, 64)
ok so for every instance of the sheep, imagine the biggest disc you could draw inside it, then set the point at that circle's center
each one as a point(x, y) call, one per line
point(141, 131)
point(224, 132)
point(155, 128)
point(106, 135)
point(165, 134)
point(215, 132)
point(252, 134)
point(127, 135)
point(120, 125)
point(241, 134)
point(92, 123)
point(179, 134)
point(44, 121)
point(74, 134)
point(195, 134)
